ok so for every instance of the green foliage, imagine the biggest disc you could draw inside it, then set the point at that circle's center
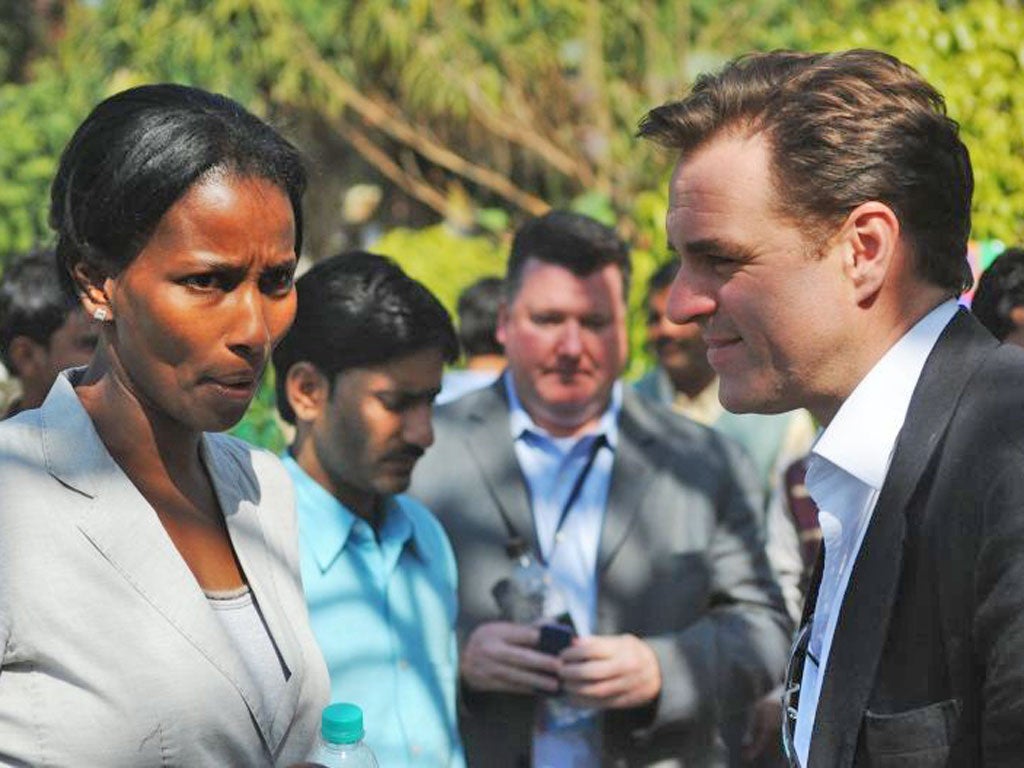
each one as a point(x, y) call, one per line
point(18, 31)
point(520, 102)
point(442, 259)
point(495, 100)
point(974, 54)
point(481, 113)
point(261, 425)
point(36, 120)
point(650, 250)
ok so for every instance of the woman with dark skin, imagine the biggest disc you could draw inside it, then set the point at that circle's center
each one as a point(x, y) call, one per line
point(187, 330)
point(172, 628)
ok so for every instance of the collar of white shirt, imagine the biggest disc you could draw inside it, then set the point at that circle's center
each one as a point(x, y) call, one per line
point(846, 471)
point(881, 399)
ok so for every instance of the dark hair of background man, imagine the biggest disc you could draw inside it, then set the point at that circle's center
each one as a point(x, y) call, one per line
point(570, 240)
point(478, 317)
point(32, 301)
point(1000, 289)
point(357, 310)
point(843, 129)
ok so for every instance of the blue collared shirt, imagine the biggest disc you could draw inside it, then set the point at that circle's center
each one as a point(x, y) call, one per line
point(383, 610)
point(551, 466)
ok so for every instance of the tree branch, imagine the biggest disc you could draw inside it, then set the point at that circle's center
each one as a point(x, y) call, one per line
point(380, 160)
point(377, 115)
point(518, 133)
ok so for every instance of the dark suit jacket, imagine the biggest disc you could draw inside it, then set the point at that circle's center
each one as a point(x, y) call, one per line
point(681, 564)
point(927, 663)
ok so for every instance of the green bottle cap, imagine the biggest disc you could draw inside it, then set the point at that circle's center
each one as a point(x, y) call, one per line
point(342, 724)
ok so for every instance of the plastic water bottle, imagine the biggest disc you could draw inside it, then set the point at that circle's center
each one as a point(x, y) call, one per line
point(341, 739)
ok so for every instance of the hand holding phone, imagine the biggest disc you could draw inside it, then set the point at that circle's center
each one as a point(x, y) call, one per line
point(554, 638)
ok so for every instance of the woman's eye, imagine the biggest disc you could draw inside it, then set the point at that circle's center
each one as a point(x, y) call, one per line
point(203, 282)
point(278, 281)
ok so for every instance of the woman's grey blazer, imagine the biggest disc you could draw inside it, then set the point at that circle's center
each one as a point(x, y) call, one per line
point(111, 655)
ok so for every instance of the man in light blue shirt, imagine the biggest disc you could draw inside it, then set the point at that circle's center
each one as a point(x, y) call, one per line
point(357, 375)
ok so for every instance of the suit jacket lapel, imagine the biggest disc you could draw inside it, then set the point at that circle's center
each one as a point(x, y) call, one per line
point(864, 617)
point(124, 528)
point(490, 447)
point(629, 484)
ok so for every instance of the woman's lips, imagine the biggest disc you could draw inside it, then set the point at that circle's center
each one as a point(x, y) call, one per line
point(235, 387)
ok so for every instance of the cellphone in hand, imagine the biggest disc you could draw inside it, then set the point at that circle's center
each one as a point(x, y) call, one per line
point(554, 638)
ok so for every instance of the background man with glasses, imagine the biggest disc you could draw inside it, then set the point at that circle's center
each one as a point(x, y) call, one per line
point(821, 209)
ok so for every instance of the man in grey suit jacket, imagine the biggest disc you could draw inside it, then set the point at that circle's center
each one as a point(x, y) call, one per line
point(644, 524)
point(821, 209)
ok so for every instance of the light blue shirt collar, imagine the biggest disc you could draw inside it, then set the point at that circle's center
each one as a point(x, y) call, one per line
point(520, 422)
point(383, 611)
point(336, 524)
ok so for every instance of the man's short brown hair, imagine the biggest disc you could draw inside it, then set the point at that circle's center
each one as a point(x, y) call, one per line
point(844, 128)
point(566, 239)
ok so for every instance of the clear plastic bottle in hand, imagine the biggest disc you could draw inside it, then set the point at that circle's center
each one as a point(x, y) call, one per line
point(341, 739)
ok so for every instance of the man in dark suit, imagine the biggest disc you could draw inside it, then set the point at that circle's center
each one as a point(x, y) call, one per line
point(821, 208)
point(639, 525)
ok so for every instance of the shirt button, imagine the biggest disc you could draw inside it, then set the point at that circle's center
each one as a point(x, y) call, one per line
point(416, 749)
point(403, 664)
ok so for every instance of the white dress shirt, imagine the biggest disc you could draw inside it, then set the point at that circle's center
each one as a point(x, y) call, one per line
point(845, 473)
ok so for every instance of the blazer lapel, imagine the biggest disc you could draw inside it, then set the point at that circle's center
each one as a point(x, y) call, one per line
point(864, 617)
point(630, 483)
point(125, 530)
point(490, 447)
point(237, 491)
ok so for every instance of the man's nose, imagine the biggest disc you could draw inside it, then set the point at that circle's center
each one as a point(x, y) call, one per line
point(418, 428)
point(570, 343)
point(690, 298)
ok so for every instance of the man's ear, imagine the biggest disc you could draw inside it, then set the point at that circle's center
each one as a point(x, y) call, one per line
point(94, 289)
point(307, 390)
point(1017, 316)
point(499, 331)
point(28, 357)
point(871, 248)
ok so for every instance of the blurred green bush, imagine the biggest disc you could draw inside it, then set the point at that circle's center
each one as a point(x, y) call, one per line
point(472, 116)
